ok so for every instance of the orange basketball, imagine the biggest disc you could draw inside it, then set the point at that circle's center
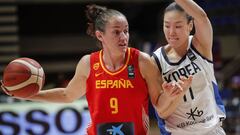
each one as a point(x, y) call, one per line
point(23, 77)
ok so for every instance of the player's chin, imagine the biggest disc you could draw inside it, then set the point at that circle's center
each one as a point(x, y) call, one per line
point(123, 48)
point(173, 43)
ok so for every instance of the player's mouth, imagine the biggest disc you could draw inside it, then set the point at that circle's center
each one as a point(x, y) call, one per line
point(173, 39)
point(122, 45)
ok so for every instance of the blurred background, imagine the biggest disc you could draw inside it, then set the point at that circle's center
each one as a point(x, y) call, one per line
point(53, 33)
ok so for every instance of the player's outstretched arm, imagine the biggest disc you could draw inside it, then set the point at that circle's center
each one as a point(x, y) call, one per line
point(74, 90)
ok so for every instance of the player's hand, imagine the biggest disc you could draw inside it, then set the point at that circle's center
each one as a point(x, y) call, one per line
point(4, 88)
point(185, 83)
point(174, 89)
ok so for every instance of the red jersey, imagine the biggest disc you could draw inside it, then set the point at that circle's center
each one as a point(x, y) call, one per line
point(117, 101)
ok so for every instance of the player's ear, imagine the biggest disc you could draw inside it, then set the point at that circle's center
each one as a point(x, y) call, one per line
point(191, 25)
point(98, 35)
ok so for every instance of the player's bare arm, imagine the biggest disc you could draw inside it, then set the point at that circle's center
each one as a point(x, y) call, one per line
point(203, 36)
point(184, 84)
point(151, 75)
point(74, 90)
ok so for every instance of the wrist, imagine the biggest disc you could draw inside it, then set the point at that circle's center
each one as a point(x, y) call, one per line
point(165, 97)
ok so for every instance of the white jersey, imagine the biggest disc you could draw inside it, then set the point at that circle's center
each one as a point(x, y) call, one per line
point(201, 108)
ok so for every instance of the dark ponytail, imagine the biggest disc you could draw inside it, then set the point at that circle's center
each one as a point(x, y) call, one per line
point(98, 17)
point(92, 13)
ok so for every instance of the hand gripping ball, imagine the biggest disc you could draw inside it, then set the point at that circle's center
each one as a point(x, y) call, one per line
point(23, 77)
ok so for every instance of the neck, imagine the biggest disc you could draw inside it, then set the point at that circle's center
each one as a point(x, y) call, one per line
point(113, 62)
point(181, 50)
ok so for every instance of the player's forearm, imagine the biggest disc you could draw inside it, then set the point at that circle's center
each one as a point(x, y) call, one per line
point(57, 95)
point(162, 104)
point(171, 108)
point(167, 107)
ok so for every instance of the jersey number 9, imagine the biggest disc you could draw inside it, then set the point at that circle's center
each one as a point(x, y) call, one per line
point(114, 105)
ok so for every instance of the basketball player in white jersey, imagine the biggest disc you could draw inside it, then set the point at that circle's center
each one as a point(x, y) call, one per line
point(199, 111)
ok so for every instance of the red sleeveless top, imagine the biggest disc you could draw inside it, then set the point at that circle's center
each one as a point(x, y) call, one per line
point(117, 101)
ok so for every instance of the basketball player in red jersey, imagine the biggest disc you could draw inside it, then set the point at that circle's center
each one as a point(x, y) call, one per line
point(117, 80)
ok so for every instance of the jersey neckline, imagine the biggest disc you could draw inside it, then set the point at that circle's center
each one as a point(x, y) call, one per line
point(120, 69)
point(168, 61)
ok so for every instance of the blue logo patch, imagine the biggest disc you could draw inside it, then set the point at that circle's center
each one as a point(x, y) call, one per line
point(126, 128)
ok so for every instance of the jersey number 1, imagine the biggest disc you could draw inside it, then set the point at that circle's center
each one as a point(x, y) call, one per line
point(191, 95)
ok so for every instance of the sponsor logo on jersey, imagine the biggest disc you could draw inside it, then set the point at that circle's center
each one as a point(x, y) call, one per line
point(98, 74)
point(193, 122)
point(191, 55)
point(115, 130)
point(124, 128)
point(166, 72)
point(96, 66)
point(121, 83)
point(194, 113)
point(195, 116)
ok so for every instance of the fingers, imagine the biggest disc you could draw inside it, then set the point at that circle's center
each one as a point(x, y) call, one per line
point(1, 82)
point(4, 88)
point(184, 79)
point(166, 85)
point(186, 82)
point(175, 88)
point(172, 88)
point(178, 85)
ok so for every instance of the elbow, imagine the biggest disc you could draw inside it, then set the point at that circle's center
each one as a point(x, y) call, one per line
point(201, 16)
point(67, 98)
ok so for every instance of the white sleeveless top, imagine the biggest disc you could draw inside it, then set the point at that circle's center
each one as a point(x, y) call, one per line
point(201, 108)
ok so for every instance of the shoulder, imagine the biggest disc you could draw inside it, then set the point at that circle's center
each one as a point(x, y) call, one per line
point(83, 66)
point(144, 57)
point(146, 64)
point(85, 60)
point(158, 53)
point(141, 56)
point(158, 50)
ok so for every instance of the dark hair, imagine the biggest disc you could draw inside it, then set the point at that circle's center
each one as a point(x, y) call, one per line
point(174, 6)
point(98, 16)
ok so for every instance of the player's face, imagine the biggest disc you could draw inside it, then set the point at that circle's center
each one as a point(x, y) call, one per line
point(116, 36)
point(176, 28)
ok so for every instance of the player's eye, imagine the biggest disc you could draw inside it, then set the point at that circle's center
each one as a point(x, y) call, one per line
point(178, 26)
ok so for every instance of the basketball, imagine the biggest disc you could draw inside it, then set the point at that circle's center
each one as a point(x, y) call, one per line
point(23, 77)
